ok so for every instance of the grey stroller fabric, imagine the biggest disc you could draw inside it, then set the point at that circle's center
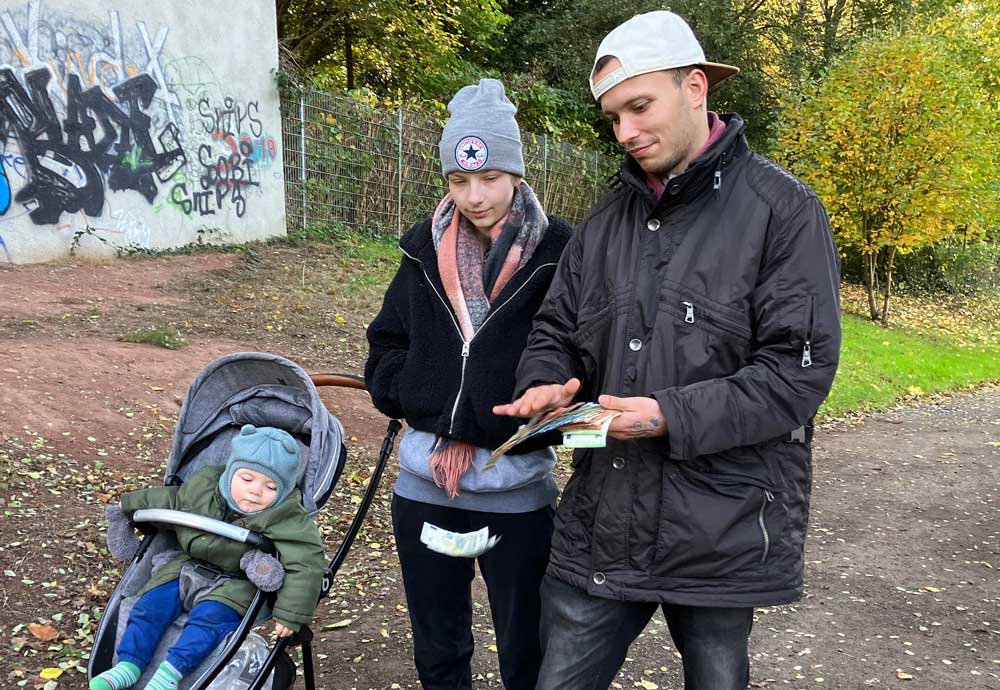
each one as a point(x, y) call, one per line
point(264, 390)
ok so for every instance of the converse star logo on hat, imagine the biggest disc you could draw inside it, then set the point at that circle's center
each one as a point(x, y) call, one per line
point(471, 153)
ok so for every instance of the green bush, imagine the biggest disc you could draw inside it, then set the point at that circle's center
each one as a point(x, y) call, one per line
point(954, 266)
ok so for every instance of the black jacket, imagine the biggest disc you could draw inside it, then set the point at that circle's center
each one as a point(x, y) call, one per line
point(721, 301)
point(416, 367)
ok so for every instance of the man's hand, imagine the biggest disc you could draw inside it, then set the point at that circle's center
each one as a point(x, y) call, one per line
point(282, 630)
point(641, 417)
point(540, 399)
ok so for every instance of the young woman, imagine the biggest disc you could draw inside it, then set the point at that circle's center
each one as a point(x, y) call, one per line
point(443, 350)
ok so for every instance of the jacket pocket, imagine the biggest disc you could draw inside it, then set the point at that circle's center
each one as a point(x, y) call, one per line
point(713, 528)
point(707, 340)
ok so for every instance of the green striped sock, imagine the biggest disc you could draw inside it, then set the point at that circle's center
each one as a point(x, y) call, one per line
point(122, 675)
point(165, 678)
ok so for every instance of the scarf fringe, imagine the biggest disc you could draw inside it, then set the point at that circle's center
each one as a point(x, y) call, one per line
point(450, 459)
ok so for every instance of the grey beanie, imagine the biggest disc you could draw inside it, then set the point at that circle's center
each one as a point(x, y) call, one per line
point(481, 133)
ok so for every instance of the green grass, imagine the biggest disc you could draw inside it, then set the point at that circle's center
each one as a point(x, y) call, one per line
point(880, 366)
point(365, 265)
point(161, 336)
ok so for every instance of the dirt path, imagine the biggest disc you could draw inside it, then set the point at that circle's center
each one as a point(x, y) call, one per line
point(903, 581)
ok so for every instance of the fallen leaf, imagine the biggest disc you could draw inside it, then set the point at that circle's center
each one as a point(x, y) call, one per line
point(929, 588)
point(647, 685)
point(903, 675)
point(339, 624)
point(51, 673)
point(45, 633)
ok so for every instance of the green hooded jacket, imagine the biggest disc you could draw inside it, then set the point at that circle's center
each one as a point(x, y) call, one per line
point(287, 524)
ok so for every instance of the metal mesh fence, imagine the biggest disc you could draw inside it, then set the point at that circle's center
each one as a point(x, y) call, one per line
point(377, 170)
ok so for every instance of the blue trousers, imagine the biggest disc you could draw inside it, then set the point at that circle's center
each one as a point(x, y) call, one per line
point(207, 624)
point(585, 640)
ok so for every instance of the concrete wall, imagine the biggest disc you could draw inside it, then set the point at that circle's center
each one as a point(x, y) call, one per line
point(129, 124)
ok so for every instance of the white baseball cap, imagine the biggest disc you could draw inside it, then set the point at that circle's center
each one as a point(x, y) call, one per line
point(652, 42)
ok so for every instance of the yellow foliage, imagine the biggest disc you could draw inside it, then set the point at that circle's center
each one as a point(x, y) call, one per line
point(900, 143)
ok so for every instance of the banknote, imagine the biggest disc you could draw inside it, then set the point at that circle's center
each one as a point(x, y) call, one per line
point(460, 545)
point(585, 425)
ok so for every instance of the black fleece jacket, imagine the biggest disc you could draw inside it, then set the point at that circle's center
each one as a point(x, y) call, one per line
point(420, 369)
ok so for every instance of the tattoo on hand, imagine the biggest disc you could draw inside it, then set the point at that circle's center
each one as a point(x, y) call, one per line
point(640, 430)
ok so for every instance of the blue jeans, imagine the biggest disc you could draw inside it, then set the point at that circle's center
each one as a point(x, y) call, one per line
point(585, 640)
point(207, 624)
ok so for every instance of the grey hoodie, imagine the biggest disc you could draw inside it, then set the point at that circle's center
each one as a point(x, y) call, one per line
point(516, 484)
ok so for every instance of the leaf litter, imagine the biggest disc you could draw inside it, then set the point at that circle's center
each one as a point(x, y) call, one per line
point(900, 507)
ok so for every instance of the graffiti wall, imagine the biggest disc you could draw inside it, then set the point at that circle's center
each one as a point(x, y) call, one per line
point(128, 126)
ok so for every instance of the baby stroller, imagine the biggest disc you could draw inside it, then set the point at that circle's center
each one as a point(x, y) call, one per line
point(263, 390)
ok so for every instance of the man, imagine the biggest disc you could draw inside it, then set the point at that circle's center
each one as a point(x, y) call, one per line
point(700, 298)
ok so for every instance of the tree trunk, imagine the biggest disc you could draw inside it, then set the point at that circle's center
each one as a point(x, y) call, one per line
point(833, 13)
point(889, 262)
point(871, 284)
point(349, 54)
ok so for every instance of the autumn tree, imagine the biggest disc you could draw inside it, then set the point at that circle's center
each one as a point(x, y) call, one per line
point(899, 141)
point(554, 41)
point(416, 48)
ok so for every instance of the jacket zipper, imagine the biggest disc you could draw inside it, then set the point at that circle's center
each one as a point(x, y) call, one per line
point(768, 497)
point(461, 385)
point(719, 322)
point(807, 347)
point(467, 345)
point(689, 312)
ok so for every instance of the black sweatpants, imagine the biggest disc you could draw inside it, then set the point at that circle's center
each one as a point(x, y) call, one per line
point(439, 592)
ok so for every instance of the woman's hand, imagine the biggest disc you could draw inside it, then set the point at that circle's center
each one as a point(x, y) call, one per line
point(282, 630)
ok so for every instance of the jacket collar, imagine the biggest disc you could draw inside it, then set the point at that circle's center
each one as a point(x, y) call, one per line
point(700, 175)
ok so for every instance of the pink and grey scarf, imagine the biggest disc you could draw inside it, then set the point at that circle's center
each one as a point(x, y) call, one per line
point(473, 277)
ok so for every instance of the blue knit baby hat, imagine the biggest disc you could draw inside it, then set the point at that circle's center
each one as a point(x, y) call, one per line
point(267, 450)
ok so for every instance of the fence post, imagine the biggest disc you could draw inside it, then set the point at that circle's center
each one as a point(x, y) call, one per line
point(399, 173)
point(302, 154)
point(545, 169)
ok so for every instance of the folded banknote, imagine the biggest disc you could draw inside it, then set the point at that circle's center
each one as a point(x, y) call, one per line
point(460, 545)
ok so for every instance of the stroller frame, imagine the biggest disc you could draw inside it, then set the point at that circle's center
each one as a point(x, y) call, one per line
point(277, 660)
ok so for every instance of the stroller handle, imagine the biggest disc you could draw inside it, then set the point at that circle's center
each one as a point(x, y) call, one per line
point(342, 380)
point(205, 524)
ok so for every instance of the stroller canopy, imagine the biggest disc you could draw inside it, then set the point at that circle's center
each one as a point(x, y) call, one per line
point(264, 390)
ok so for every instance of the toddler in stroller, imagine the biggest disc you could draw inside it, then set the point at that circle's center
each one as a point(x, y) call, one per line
point(255, 489)
point(189, 557)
